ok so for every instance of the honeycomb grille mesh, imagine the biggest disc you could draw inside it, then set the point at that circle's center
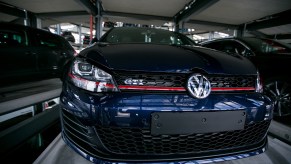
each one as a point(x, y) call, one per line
point(141, 142)
point(166, 80)
point(132, 142)
point(180, 80)
point(231, 81)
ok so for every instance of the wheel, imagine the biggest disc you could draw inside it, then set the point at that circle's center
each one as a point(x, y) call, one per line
point(279, 91)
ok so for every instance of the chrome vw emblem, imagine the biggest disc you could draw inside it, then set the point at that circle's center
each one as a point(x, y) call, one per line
point(199, 86)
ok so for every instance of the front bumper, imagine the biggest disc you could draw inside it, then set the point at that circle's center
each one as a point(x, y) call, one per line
point(116, 127)
point(201, 160)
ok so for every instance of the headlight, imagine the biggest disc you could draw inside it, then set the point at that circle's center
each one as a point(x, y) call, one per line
point(91, 78)
point(259, 85)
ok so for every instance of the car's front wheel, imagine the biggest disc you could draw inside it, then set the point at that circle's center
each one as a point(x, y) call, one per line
point(279, 91)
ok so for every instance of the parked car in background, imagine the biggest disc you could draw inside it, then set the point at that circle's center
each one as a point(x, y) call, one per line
point(273, 59)
point(26, 52)
point(68, 36)
point(86, 39)
point(150, 95)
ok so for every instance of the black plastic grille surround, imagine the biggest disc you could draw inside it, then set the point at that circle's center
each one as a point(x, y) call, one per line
point(82, 136)
point(180, 80)
point(231, 81)
point(161, 80)
point(128, 143)
point(141, 142)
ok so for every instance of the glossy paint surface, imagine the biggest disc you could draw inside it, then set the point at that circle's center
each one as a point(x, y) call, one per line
point(133, 104)
point(167, 58)
point(134, 109)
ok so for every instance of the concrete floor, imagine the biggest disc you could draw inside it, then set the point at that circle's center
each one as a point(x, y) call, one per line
point(59, 153)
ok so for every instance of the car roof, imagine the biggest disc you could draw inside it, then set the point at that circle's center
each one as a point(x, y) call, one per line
point(18, 26)
point(230, 38)
point(220, 39)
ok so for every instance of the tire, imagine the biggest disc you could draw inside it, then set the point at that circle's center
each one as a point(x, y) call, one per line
point(279, 91)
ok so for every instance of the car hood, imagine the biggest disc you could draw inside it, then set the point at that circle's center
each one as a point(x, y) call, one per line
point(166, 58)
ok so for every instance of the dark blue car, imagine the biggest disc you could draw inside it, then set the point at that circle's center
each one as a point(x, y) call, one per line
point(149, 95)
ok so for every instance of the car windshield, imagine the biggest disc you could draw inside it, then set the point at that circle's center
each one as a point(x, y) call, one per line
point(145, 35)
point(267, 45)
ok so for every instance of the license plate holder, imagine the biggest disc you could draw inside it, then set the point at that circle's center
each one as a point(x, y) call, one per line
point(196, 122)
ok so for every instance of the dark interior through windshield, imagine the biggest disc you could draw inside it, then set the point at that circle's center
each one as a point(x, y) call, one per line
point(145, 35)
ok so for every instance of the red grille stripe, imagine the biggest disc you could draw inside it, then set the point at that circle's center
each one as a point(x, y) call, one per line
point(234, 89)
point(151, 88)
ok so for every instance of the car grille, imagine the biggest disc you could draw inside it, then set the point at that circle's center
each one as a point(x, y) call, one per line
point(165, 80)
point(180, 80)
point(140, 141)
point(82, 136)
point(231, 81)
point(132, 143)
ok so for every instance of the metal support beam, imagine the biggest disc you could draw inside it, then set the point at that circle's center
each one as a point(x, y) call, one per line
point(193, 7)
point(61, 14)
point(11, 10)
point(280, 36)
point(91, 28)
point(279, 19)
point(176, 27)
point(28, 18)
point(136, 16)
point(98, 27)
point(230, 26)
point(25, 17)
point(38, 23)
point(211, 35)
point(31, 19)
point(166, 19)
point(240, 31)
point(235, 33)
point(259, 34)
point(59, 30)
point(79, 27)
point(88, 6)
point(276, 36)
point(98, 20)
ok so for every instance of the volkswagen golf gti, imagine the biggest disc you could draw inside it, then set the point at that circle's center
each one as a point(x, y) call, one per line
point(150, 95)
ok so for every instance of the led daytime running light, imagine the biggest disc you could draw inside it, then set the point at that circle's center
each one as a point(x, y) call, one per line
point(86, 76)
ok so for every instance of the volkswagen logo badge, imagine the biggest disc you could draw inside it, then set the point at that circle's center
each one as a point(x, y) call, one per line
point(199, 86)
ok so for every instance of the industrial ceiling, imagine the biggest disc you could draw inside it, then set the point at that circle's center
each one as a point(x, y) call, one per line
point(266, 17)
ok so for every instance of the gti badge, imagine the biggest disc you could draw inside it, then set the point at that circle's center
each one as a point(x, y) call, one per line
point(199, 86)
point(131, 81)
